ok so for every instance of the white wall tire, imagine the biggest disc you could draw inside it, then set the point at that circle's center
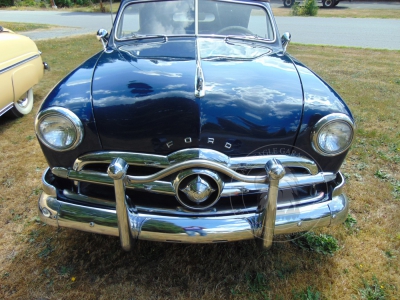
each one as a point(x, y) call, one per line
point(23, 105)
point(288, 3)
point(328, 3)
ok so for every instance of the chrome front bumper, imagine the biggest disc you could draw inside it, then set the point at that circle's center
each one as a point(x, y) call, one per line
point(129, 223)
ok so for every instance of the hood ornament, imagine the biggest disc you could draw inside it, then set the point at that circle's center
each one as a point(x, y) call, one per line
point(198, 190)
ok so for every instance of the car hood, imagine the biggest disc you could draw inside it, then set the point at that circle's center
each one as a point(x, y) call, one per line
point(144, 97)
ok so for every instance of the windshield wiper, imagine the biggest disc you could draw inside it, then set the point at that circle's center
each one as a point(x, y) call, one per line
point(145, 36)
point(255, 41)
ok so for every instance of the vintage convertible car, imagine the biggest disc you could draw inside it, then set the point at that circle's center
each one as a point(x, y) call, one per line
point(21, 67)
point(193, 125)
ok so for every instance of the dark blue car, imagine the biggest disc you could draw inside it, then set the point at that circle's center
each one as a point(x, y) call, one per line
point(193, 125)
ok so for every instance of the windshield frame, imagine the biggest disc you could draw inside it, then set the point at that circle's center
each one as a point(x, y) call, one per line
point(259, 4)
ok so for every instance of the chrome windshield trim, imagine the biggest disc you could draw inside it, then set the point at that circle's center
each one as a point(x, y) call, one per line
point(160, 161)
point(258, 39)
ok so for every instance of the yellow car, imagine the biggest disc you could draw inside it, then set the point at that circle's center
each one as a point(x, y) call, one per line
point(21, 67)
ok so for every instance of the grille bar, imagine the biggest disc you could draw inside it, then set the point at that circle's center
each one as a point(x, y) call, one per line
point(248, 184)
point(160, 161)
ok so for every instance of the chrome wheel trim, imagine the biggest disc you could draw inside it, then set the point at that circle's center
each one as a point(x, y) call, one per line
point(24, 101)
point(24, 104)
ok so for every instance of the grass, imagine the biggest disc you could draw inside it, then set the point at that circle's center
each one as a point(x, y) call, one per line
point(20, 27)
point(342, 12)
point(77, 8)
point(41, 262)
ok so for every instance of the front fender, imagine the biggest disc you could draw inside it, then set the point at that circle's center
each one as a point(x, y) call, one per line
point(74, 93)
point(319, 100)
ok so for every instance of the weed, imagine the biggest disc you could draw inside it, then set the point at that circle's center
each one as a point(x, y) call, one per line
point(47, 250)
point(65, 271)
point(350, 222)
point(33, 235)
point(361, 166)
point(309, 294)
point(390, 254)
point(382, 175)
point(36, 191)
point(321, 243)
point(256, 283)
point(396, 189)
point(373, 291)
point(394, 183)
point(8, 182)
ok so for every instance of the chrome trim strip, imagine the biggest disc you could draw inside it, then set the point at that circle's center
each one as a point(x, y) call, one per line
point(246, 184)
point(198, 163)
point(47, 187)
point(19, 63)
point(181, 211)
point(339, 188)
point(160, 161)
point(98, 177)
point(6, 108)
point(224, 228)
point(255, 162)
point(90, 219)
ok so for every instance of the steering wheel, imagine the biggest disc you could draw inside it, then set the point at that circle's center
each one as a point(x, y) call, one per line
point(235, 30)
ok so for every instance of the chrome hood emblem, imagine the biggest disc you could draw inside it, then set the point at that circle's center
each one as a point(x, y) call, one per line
point(198, 190)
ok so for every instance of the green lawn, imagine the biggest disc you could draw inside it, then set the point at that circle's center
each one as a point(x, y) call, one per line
point(41, 262)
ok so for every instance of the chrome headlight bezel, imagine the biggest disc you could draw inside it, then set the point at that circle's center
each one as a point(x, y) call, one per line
point(330, 120)
point(66, 115)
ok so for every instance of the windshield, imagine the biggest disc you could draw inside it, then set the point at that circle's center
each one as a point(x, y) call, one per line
point(166, 18)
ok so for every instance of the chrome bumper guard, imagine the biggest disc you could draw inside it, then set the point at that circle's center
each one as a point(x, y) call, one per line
point(130, 224)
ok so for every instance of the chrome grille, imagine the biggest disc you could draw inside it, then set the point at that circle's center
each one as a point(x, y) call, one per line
point(244, 179)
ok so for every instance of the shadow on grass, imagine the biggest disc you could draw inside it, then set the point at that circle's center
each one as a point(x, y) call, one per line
point(67, 263)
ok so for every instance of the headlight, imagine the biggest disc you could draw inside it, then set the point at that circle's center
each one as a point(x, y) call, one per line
point(59, 128)
point(332, 134)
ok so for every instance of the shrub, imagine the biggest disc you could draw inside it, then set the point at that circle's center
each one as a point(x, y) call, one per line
point(64, 3)
point(309, 8)
point(6, 3)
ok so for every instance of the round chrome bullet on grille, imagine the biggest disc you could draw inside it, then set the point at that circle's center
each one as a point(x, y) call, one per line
point(198, 188)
